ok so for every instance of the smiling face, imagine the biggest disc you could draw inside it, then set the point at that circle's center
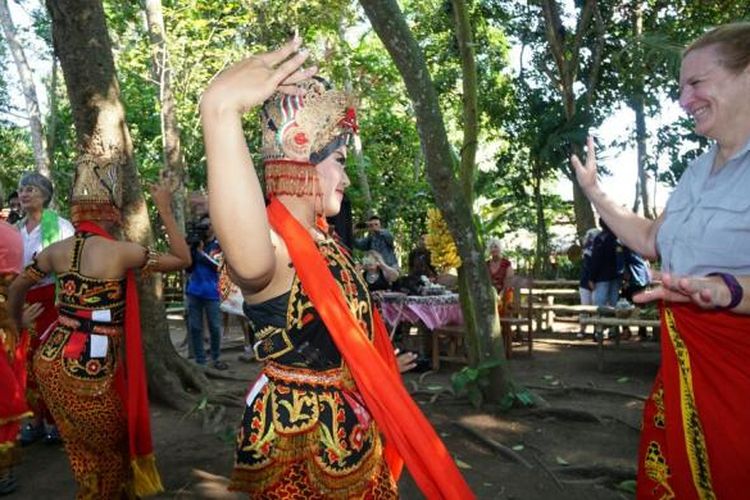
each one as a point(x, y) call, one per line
point(31, 198)
point(715, 97)
point(333, 181)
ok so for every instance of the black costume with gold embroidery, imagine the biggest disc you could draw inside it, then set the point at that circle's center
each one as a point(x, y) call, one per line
point(76, 368)
point(305, 430)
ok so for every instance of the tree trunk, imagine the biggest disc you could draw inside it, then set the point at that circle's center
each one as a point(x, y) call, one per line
point(484, 340)
point(541, 258)
point(565, 49)
point(52, 120)
point(82, 44)
point(640, 116)
point(174, 160)
point(38, 141)
point(359, 157)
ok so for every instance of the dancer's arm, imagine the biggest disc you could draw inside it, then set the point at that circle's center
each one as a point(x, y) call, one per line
point(636, 232)
point(132, 254)
point(237, 206)
point(34, 272)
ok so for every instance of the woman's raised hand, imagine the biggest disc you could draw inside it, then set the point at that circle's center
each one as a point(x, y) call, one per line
point(586, 174)
point(254, 79)
point(161, 193)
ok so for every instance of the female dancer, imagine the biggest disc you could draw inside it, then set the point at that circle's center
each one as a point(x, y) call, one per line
point(329, 388)
point(101, 408)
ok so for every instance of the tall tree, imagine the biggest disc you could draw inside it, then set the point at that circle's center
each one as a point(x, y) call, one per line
point(566, 49)
point(483, 337)
point(38, 140)
point(82, 44)
point(174, 160)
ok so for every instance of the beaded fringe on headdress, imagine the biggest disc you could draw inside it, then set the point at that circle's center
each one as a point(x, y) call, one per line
point(292, 178)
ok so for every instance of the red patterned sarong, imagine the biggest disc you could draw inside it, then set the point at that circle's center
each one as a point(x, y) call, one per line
point(695, 442)
point(44, 295)
point(13, 406)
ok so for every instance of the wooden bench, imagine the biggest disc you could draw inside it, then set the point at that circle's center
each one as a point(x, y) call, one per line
point(453, 336)
point(518, 317)
point(602, 321)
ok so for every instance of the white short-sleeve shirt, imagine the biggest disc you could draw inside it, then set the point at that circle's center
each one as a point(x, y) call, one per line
point(32, 242)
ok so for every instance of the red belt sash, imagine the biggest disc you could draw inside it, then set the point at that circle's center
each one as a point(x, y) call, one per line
point(696, 430)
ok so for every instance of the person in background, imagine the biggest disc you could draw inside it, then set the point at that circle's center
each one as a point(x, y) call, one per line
point(90, 366)
point(694, 440)
point(420, 260)
point(636, 277)
point(378, 239)
point(203, 294)
point(585, 284)
point(378, 275)
point(15, 213)
point(501, 273)
point(40, 228)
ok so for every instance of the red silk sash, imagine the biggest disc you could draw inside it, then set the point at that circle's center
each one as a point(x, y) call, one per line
point(131, 385)
point(408, 433)
point(695, 441)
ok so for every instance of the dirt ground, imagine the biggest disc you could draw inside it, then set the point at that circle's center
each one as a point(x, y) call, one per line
point(580, 443)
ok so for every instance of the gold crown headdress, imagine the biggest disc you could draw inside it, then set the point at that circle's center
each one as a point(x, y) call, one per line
point(97, 192)
point(300, 131)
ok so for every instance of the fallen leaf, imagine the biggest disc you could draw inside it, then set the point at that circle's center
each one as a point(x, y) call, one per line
point(518, 447)
point(561, 461)
point(548, 377)
point(554, 382)
point(445, 434)
point(462, 465)
point(435, 387)
point(628, 486)
point(487, 484)
point(622, 380)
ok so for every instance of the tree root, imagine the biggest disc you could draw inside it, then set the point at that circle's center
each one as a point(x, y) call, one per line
point(215, 374)
point(500, 449)
point(616, 474)
point(623, 422)
point(225, 399)
point(566, 414)
point(548, 471)
point(588, 390)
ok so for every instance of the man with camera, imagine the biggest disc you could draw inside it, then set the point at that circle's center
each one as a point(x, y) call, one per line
point(203, 290)
point(378, 239)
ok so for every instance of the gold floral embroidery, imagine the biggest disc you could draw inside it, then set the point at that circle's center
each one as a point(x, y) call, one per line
point(657, 469)
point(695, 442)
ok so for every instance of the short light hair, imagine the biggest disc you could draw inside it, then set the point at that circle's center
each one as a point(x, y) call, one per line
point(494, 241)
point(40, 182)
point(732, 40)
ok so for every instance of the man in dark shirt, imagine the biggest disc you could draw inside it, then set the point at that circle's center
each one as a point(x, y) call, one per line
point(378, 239)
point(604, 272)
point(203, 295)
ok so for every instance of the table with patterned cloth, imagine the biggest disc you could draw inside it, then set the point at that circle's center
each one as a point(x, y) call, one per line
point(433, 311)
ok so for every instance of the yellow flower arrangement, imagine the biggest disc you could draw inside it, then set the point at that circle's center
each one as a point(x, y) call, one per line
point(440, 243)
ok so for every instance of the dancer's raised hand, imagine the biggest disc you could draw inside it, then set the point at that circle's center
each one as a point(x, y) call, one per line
point(254, 79)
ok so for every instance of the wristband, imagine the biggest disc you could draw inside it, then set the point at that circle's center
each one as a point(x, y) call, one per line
point(735, 290)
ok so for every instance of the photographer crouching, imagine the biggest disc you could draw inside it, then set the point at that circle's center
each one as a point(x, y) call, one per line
point(203, 290)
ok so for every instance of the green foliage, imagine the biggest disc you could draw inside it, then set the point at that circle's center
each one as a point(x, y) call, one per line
point(471, 381)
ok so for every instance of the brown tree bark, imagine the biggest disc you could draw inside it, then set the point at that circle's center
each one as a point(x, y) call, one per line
point(83, 46)
point(174, 159)
point(642, 196)
point(483, 337)
point(38, 141)
point(566, 51)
